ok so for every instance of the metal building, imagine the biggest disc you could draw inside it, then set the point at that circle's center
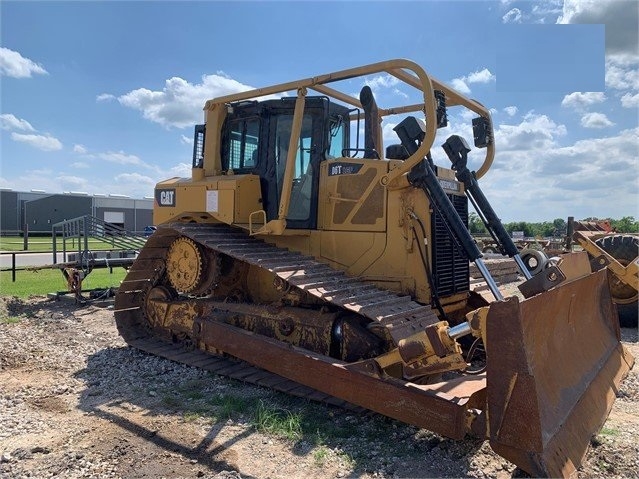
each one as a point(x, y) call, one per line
point(40, 210)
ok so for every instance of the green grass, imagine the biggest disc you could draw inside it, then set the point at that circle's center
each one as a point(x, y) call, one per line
point(190, 416)
point(320, 455)
point(44, 244)
point(190, 398)
point(279, 422)
point(9, 319)
point(49, 281)
point(191, 386)
point(274, 419)
point(603, 465)
point(170, 401)
point(606, 431)
point(194, 395)
point(230, 406)
point(310, 428)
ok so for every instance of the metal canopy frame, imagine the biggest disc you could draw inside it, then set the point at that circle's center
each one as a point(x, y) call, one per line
point(407, 72)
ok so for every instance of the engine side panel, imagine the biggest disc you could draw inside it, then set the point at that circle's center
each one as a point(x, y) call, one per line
point(216, 199)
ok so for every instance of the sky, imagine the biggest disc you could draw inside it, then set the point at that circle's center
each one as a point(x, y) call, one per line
point(102, 97)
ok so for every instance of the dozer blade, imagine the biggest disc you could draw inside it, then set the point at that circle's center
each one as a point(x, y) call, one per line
point(554, 365)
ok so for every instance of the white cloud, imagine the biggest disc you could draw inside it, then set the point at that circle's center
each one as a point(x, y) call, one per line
point(181, 169)
point(512, 16)
point(582, 99)
point(541, 12)
point(621, 20)
point(398, 92)
point(630, 101)
point(80, 149)
point(382, 81)
point(120, 158)
point(549, 7)
point(624, 145)
point(14, 65)
point(467, 115)
point(41, 142)
point(595, 120)
point(478, 76)
point(511, 110)
point(48, 180)
point(534, 132)
point(79, 164)
point(482, 76)
point(622, 73)
point(105, 97)
point(75, 182)
point(389, 137)
point(11, 122)
point(186, 140)
point(460, 85)
point(570, 186)
point(180, 103)
point(135, 179)
point(44, 142)
point(42, 179)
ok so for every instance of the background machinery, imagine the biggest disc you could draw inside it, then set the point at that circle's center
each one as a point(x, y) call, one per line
point(343, 268)
point(619, 253)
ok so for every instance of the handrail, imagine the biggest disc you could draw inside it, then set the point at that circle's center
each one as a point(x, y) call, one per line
point(84, 227)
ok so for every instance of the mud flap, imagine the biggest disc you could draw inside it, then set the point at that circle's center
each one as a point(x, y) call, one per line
point(554, 365)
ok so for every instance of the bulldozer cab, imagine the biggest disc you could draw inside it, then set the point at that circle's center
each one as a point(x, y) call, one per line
point(256, 138)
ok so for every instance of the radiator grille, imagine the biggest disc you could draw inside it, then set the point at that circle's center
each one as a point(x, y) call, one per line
point(450, 267)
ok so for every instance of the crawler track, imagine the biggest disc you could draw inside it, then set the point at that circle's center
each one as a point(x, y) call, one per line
point(399, 314)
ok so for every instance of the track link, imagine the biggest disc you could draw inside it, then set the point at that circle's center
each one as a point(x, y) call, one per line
point(399, 314)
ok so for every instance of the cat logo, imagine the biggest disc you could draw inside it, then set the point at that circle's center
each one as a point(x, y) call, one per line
point(165, 197)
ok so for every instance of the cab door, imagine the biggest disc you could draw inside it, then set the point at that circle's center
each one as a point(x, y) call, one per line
point(310, 152)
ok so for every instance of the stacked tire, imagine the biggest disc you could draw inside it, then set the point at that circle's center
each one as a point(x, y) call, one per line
point(624, 248)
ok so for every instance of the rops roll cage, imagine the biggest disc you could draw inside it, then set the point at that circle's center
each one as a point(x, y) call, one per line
point(406, 71)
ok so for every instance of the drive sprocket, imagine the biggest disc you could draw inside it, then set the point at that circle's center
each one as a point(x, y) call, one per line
point(191, 269)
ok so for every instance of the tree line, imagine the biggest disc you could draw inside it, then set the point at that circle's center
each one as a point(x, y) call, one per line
point(554, 228)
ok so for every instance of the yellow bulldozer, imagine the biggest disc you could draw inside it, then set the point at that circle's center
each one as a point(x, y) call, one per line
point(301, 258)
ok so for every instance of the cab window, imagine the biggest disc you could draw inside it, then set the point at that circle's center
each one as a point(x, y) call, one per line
point(337, 139)
point(240, 147)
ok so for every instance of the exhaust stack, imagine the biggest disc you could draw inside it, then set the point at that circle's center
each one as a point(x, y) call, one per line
point(371, 123)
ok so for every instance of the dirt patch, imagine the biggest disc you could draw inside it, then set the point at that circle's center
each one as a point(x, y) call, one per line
point(75, 401)
point(49, 404)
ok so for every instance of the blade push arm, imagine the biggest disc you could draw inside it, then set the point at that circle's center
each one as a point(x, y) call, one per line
point(422, 176)
point(457, 150)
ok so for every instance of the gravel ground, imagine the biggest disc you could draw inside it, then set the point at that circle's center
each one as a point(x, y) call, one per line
point(76, 402)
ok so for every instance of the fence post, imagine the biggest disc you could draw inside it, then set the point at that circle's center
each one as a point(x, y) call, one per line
point(13, 267)
point(64, 242)
point(86, 235)
point(55, 245)
point(85, 257)
point(25, 237)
